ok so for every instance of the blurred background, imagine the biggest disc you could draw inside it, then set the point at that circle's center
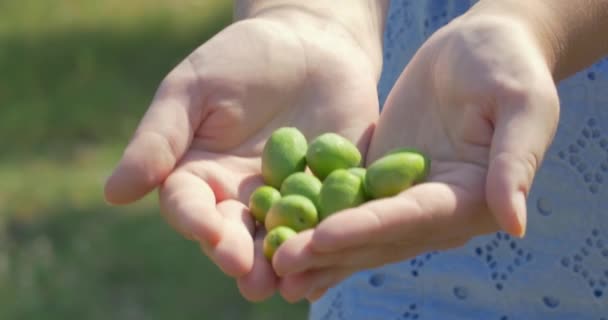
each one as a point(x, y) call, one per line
point(75, 77)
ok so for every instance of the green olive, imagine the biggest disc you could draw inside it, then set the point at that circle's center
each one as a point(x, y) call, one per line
point(294, 211)
point(284, 154)
point(275, 238)
point(341, 190)
point(261, 200)
point(395, 172)
point(303, 184)
point(329, 152)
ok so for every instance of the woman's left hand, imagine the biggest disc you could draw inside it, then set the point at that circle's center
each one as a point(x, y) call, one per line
point(479, 98)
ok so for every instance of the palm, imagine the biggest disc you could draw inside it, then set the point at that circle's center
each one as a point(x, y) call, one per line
point(258, 76)
point(446, 122)
point(448, 100)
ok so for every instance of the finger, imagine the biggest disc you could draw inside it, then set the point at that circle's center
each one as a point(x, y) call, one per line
point(294, 259)
point(317, 294)
point(188, 204)
point(205, 202)
point(299, 286)
point(440, 212)
point(292, 252)
point(295, 256)
point(225, 229)
point(261, 282)
point(162, 137)
point(524, 130)
point(234, 253)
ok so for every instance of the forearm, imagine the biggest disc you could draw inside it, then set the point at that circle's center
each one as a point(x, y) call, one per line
point(572, 34)
point(361, 20)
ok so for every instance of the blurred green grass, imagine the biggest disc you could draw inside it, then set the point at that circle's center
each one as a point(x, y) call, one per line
point(75, 77)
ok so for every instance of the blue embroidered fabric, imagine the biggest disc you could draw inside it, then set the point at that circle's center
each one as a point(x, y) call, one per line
point(558, 271)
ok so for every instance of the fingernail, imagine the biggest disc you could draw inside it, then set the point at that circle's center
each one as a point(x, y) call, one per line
point(106, 192)
point(520, 210)
point(194, 237)
point(315, 295)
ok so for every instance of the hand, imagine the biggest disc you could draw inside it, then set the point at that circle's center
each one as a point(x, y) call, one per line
point(202, 137)
point(480, 100)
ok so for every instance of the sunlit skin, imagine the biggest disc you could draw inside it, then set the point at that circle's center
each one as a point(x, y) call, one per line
point(201, 139)
point(479, 98)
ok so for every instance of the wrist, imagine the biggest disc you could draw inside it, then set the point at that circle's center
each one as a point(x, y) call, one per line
point(571, 34)
point(360, 22)
point(532, 18)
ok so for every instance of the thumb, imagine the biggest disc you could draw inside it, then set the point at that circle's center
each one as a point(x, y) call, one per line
point(161, 139)
point(523, 131)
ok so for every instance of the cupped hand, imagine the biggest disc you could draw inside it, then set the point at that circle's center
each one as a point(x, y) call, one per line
point(480, 100)
point(200, 140)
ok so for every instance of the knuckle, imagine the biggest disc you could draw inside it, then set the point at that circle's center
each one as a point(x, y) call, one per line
point(510, 91)
point(525, 163)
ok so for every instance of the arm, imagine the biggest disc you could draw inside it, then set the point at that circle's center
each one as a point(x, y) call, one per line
point(572, 34)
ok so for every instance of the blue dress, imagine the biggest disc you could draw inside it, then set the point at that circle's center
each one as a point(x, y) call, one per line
point(558, 271)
